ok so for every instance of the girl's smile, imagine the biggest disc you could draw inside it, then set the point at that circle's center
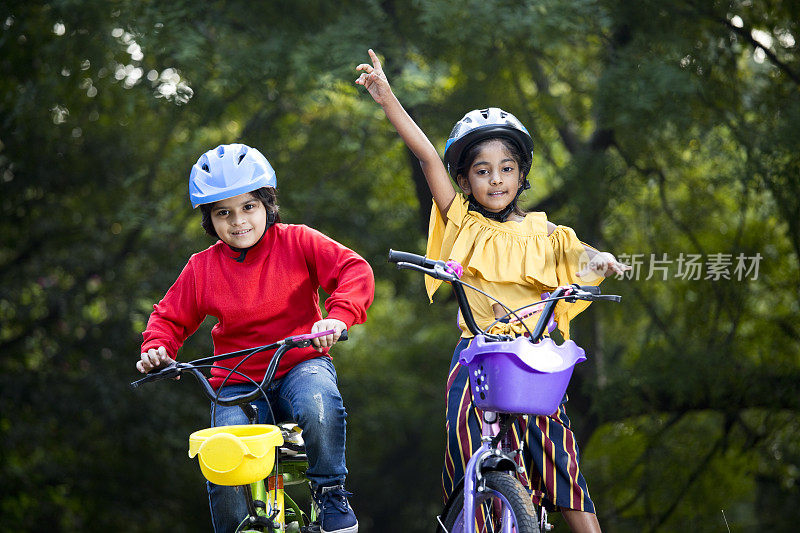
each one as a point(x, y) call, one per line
point(239, 221)
point(493, 177)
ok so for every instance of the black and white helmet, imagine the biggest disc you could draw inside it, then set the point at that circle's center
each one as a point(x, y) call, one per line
point(481, 124)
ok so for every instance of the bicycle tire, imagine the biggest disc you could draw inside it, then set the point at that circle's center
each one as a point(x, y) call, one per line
point(501, 488)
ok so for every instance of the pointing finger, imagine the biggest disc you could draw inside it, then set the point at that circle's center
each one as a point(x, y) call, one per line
point(375, 61)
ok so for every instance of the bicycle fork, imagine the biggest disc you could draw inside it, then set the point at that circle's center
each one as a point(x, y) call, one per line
point(473, 478)
point(472, 486)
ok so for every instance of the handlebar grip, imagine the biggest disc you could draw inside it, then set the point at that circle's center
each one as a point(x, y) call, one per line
point(169, 371)
point(343, 335)
point(591, 289)
point(408, 257)
point(609, 297)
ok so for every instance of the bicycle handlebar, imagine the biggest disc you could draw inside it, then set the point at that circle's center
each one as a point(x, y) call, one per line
point(440, 270)
point(175, 368)
point(407, 257)
point(447, 271)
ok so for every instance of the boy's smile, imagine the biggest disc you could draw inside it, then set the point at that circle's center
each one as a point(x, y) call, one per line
point(493, 177)
point(239, 221)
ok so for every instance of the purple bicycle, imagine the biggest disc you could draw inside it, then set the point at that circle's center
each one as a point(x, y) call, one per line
point(509, 377)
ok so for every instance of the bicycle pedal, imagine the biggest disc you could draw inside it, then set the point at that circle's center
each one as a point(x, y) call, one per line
point(310, 528)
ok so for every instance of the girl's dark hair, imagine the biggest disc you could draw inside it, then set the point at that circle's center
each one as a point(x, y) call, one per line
point(268, 197)
point(514, 150)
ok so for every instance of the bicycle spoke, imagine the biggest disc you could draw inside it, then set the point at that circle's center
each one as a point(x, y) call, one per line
point(503, 506)
point(493, 515)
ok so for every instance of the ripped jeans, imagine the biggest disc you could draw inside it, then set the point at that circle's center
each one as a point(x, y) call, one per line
point(308, 395)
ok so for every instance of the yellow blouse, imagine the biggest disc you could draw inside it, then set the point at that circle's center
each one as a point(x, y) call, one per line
point(513, 261)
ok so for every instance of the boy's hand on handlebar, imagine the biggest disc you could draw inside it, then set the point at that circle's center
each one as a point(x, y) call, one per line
point(320, 343)
point(603, 264)
point(373, 79)
point(153, 358)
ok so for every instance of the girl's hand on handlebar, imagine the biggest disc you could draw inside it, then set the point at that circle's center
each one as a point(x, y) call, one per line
point(603, 264)
point(153, 358)
point(320, 343)
point(373, 79)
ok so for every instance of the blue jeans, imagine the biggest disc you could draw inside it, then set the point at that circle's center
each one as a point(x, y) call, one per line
point(307, 395)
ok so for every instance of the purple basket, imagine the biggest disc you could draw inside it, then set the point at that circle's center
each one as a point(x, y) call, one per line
point(518, 376)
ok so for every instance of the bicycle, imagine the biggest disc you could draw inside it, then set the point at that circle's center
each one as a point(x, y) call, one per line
point(502, 371)
point(251, 454)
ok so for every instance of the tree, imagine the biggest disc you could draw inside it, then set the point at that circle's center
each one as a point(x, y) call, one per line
point(665, 129)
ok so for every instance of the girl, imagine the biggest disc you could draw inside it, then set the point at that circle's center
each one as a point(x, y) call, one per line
point(510, 254)
point(260, 280)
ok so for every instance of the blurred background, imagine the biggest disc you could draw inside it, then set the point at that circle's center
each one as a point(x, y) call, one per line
point(666, 132)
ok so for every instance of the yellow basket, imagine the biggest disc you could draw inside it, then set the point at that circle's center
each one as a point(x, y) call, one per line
point(236, 455)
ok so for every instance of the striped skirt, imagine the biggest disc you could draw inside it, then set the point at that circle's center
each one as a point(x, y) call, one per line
point(550, 454)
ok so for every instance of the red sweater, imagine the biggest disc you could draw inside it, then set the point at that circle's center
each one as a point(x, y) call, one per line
point(271, 295)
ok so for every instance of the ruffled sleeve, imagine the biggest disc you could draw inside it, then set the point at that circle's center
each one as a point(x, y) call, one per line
point(442, 235)
point(570, 258)
point(513, 261)
point(492, 251)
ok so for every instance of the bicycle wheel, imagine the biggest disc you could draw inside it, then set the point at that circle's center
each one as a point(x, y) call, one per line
point(503, 492)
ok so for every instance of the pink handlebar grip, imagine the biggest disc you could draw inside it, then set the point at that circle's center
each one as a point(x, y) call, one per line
point(309, 336)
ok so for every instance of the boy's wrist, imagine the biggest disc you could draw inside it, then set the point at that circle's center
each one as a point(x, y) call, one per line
point(342, 316)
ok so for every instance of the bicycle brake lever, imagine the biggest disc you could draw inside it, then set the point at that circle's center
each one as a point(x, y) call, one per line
point(304, 341)
point(591, 289)
point(172, 370)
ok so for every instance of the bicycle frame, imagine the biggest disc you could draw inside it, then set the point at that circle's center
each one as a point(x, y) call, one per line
point(264, 512)
point(259, 491)
point(279, 507)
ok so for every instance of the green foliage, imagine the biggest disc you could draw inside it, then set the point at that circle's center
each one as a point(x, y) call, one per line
point(666, 129)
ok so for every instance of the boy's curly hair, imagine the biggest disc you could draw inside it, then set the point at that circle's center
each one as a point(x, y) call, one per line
point(268, 197)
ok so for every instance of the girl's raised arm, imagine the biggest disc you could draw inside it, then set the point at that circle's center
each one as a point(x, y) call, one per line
point(374, 80)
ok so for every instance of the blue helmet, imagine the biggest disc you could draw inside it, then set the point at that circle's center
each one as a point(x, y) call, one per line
point(481, 124)
point(227, 171)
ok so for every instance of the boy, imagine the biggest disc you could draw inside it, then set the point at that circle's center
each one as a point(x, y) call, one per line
point(260, 280)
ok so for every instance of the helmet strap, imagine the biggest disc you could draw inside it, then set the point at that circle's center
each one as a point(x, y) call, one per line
point(243, 251)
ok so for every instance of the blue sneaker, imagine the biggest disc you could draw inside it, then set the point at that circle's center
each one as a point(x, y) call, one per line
point(333, 510)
